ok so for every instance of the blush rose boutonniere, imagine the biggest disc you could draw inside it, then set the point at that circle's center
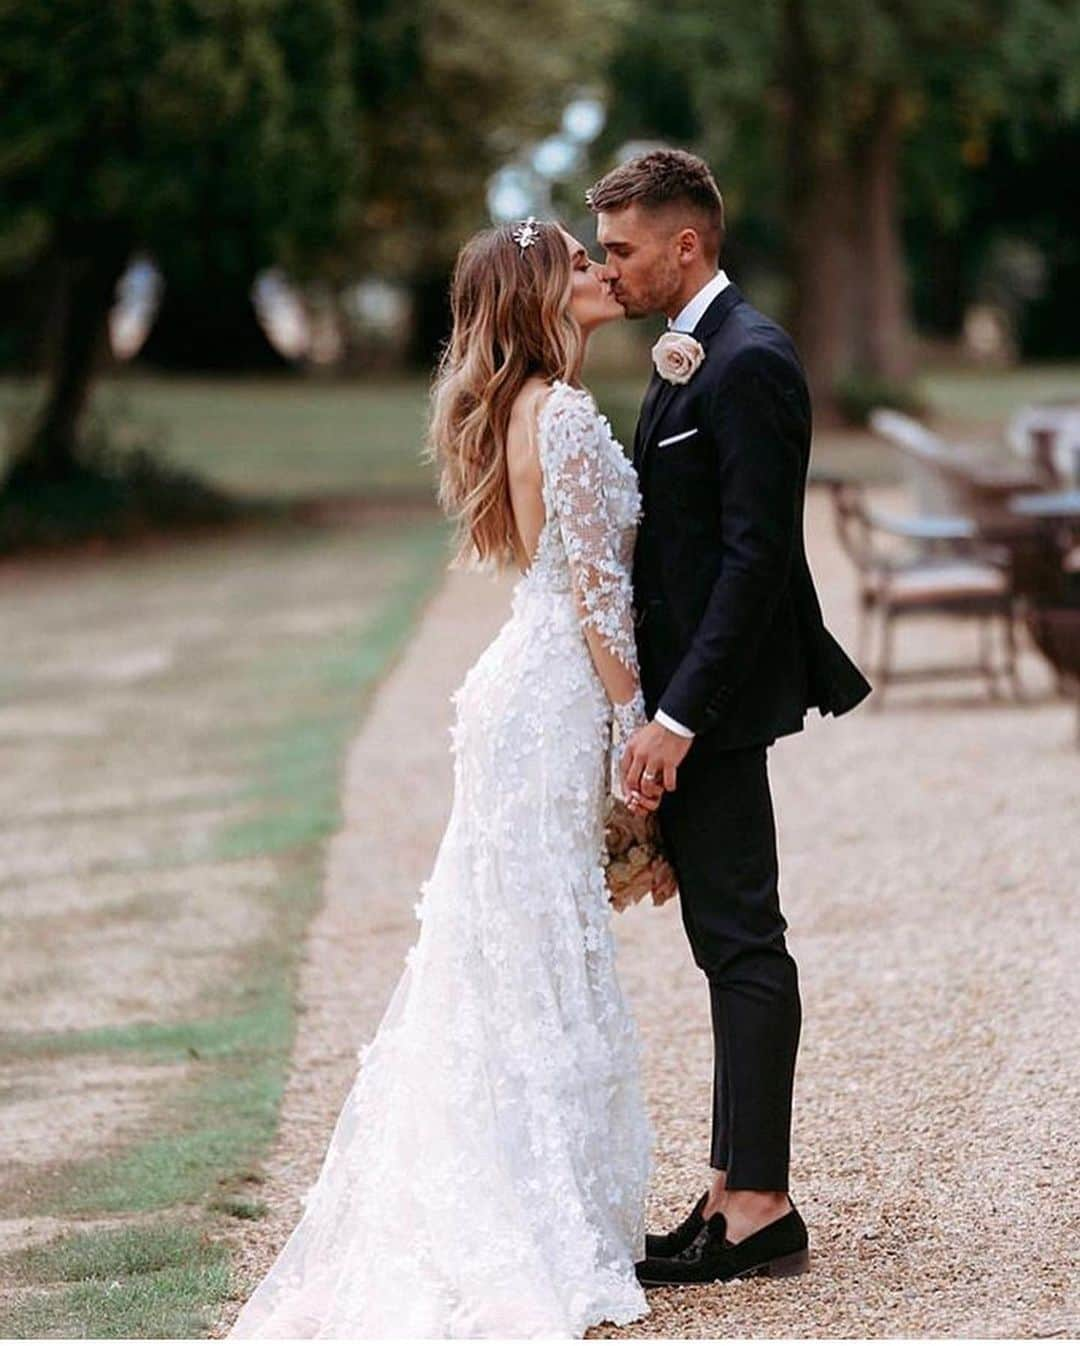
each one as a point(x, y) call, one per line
point(677, 356)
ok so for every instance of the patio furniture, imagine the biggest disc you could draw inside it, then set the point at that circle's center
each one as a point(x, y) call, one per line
point(949, 479)
point(959, 481)
point(1061, 507)
point(1056, 517)
point(1047, 434)
point(909, 565)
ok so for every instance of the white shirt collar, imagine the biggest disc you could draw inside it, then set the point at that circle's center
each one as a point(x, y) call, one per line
point(689, 317)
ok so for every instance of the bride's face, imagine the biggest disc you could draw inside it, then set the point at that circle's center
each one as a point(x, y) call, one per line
point(591, 299)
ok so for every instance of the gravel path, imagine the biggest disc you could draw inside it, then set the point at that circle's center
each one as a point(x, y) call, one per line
point(930, 858)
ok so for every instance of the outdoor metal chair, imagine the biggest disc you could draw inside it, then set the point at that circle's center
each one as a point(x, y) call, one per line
point(909, 565)
point(950, 479)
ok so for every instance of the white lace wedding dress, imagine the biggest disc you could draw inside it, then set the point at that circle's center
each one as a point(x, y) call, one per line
point(486, 1176)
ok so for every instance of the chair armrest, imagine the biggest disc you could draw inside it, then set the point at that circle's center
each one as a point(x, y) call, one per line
point(924, 527)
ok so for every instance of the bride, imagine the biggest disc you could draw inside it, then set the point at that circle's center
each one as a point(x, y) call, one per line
point(486, 1176)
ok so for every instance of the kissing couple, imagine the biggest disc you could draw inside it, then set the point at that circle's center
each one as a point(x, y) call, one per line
point(488, 1171)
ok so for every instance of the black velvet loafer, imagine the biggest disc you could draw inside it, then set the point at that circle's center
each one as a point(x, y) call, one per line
point(779, 1249)
point(680, 1238)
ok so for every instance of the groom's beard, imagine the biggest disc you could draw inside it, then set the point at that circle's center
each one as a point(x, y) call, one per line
point(634, 310)
point(657, 299)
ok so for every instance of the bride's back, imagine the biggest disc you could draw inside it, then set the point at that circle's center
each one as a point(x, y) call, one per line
point(523, 464)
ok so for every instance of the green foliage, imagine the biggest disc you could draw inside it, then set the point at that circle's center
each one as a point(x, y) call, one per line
point(130, 1250)
point(239, 1207)
point(175, 125)
point(219, 138)
point(734, 85)
point(450, 89)
point(116, 490)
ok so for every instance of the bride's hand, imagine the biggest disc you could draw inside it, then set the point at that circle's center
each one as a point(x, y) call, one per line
point(639, 803)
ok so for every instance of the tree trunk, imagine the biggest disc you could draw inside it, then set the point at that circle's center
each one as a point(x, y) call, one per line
point(817, 209)
point(430, 291)
point(820, 265)
point(210, 325)
point(883, 323)
point(85, 291)
point(938, 305)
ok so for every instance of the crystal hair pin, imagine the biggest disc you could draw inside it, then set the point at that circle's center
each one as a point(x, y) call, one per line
point(526, 233)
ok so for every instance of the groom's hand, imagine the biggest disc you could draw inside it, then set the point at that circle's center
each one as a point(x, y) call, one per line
point(651, 759)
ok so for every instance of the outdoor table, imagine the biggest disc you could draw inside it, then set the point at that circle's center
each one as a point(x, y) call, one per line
point(1054, 507)
point(1039, 564)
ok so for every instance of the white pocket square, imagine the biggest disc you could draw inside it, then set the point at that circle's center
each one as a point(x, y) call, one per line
point(674, 439)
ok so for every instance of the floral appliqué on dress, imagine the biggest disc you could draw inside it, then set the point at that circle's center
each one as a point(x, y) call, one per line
point(487, 1174)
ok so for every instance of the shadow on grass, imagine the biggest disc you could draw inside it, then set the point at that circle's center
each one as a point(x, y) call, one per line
point(124, 497)
point(112, 494)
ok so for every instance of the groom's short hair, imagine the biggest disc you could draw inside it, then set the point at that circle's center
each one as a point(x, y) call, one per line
point(664, 178)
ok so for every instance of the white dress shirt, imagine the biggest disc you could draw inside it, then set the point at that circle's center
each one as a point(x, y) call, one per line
point(692, 313)
point(686, 320)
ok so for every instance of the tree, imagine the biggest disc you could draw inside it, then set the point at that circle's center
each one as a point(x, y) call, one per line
point(989, 164)
point(448, 91)
point(847, 88)
point(829, 122)
point(212, 136)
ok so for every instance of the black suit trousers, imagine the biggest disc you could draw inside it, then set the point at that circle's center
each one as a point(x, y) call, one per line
point(719, 832)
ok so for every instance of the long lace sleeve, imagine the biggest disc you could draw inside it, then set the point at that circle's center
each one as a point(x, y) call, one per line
point(574, 492)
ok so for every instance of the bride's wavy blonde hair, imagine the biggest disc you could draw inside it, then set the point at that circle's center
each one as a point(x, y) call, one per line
point(511, 320)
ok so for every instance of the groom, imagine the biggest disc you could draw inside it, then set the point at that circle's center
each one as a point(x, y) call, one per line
point(733, 651)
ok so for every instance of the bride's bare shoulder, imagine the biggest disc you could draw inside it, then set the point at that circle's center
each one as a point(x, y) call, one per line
point(530, 397)
point(521, 446)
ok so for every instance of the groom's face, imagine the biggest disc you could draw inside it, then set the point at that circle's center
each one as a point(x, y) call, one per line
point(642, 253)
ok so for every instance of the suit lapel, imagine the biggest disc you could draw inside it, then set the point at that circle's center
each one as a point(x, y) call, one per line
point(652, 392)
point(716, 314)
point(659, 405)
point(660, 392)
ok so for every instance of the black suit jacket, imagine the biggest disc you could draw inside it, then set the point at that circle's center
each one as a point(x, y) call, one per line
point(729, 628)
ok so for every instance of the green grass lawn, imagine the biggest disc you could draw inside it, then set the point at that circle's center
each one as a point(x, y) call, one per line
point(992, 397)
point(173, 731)
point(287, 437)
point(274, 437)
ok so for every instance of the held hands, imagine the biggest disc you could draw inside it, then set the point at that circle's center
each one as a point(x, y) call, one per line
point(636, 863)
point(649, 765)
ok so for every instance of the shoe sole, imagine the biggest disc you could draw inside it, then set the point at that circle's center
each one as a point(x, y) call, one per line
point(793, 1264)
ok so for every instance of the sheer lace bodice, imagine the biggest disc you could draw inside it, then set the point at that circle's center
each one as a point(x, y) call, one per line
point(593, 506)
point(586, 546)
point(487, 1174)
